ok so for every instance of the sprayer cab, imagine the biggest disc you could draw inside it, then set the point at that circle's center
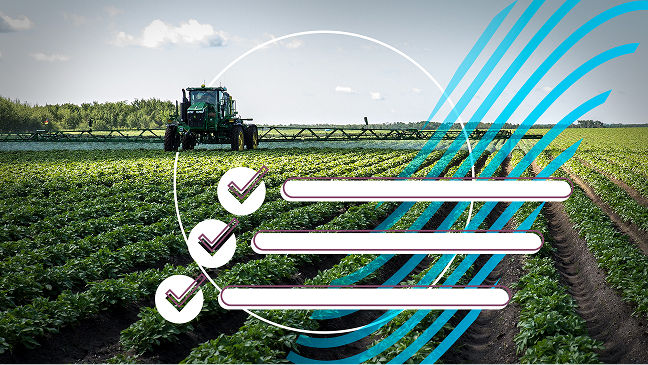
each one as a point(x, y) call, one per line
point(208, 115)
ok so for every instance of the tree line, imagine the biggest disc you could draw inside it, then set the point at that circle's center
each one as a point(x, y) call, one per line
point(145, 113)
point(154, 113)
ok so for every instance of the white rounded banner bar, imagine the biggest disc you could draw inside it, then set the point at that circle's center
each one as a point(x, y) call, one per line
point(363, 298)
point(365, 190)
point(399, 242)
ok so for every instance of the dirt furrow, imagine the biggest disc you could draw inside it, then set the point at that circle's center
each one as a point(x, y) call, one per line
point(363, 317)
point(628, 189)
point(637, 236)
point(608, 318)
point(489, 340)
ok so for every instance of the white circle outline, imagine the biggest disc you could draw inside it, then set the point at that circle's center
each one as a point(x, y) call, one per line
point(335, 32)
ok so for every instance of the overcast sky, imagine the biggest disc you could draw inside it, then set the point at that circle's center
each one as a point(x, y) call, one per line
point(84, 51)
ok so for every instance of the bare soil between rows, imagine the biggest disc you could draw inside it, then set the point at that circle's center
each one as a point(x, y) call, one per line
point(360, 318)
point(637, 236)
point(608, 318)
point(628, 189)
point(489, 340)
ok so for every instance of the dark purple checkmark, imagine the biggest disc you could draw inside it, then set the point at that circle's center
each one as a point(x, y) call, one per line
point(249, 186)
point(179, 300)
point(212, 244)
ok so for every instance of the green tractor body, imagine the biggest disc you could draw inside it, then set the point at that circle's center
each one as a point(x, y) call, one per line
point(208, 116)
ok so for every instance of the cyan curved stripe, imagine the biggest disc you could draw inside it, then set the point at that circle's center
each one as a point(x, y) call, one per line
point(488, 206)
point(545, 103)
point(452, 337)
point(546, 65)
point(530, 157)
point(395, 279)
point(553, 95)
point(537, 76)
point(621, 9)
point(382, 345)
point(555, 164)
point(555, 131)
point(547, 171)
point(474, 86)
point(347, 338)
point(470, 59)
point(405, 269)
point(469, 94)
point(419, 315)
point(524, 127)
point(473, 314)
point(427, 335)
point(501, 84)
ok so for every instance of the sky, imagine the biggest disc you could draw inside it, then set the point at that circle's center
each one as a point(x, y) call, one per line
point(85, 51)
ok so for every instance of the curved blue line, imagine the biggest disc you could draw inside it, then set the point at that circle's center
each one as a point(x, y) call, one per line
point(490, 265)
point(512, 70)
point(328, 342)
point(621, 9)
point(553, 95)
point(508, 213)
point(474, 86)
point(470, 59)
point(554, 132)
point(532, 155)
point(538, 111)
point(427, 335)
point(547, 171)
point(533, 80)
point(546, 65)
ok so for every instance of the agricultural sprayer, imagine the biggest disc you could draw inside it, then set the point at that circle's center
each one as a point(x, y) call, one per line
point(208, 116)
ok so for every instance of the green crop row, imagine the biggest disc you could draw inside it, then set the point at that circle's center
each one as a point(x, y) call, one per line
point(550, 330)
point(13, 320)
point(625, 265)
point(621, 168)
point(151, 329)
point(41, 313)
point(256, 341)
point(25, 220)
point(37, 279)
point(622, 203)
point(21, 223)
point(250, 343)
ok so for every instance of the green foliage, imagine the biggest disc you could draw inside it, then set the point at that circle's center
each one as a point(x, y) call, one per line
point(548, 312)
point(149, 113)
point(622, 203)
point(98, 222)
point(563, 349)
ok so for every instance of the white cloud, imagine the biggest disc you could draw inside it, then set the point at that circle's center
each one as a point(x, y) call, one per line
point(547, 88)
point(75, 19)
point(290, 43)
point(52, 57)
point(159, 33)
point(113, 11)
point(344, 90)
point(294, 43)
point(375, 95)
point(416, 90)
point(9, 24)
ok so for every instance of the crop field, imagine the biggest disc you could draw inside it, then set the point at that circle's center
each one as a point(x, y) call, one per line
point(86, 237)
